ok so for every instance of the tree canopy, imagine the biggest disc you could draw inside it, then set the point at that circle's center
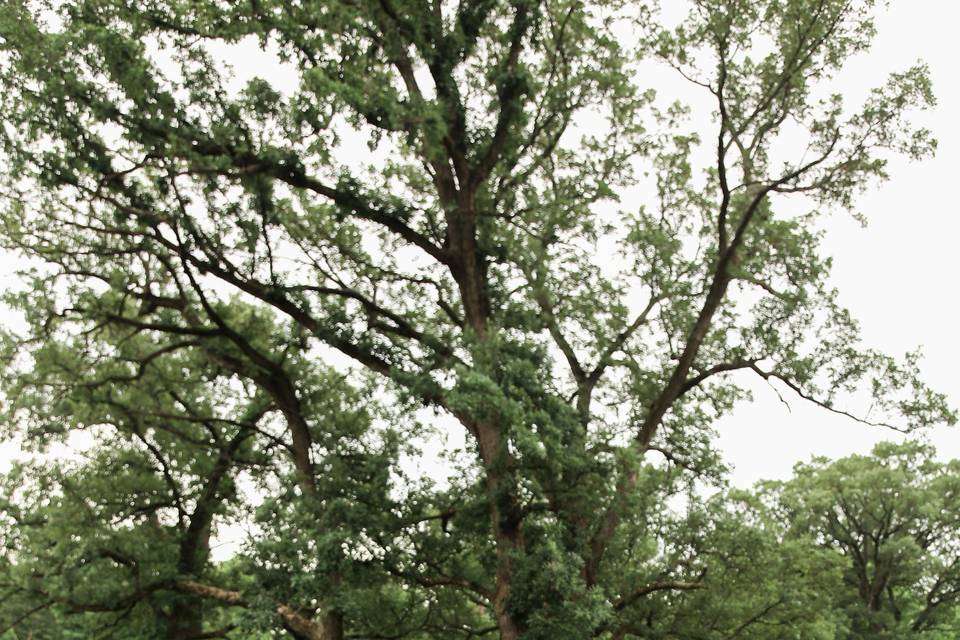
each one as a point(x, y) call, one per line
point(893, 517)
point(469, 240)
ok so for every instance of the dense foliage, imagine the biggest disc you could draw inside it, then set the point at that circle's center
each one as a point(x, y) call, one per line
point(282, 309)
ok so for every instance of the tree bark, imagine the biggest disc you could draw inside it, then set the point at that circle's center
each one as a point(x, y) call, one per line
point(505, 519)
point(185, 619)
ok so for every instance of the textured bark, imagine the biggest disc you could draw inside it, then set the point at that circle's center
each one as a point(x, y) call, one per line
point(301, 627)
point(505, 519)
point(224, 596)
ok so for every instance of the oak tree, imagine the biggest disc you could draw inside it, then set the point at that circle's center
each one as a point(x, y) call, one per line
point(486, 271)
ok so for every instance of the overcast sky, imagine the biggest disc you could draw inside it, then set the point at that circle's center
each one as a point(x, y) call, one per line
point(898, 276)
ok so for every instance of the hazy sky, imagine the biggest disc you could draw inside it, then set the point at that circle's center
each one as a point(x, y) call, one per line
point(898, 276)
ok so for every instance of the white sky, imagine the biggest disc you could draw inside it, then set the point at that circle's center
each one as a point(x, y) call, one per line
point(898, 276)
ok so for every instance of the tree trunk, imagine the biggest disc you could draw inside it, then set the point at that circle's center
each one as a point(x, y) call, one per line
point(185, 619)
point(506, 522)
point(469, 269)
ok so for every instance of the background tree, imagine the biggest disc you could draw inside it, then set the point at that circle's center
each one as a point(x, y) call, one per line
point(118, 536)
point(120, 539)
point(757, 581)
point(465, 267)
point(893, 518)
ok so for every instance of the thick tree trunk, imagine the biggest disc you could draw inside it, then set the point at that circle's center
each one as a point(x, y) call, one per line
point(508, 541)
point(469, 269)
point(185, 619)
point(332, 624)
point(331, 621)
point(506, 522)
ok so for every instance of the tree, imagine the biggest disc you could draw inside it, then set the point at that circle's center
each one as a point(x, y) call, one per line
point(120, 533)
point(893, 518)
point(461, 275)
point(856, 548)
point(759, 582)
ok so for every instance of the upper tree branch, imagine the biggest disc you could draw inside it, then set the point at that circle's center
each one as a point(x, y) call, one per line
point(659, 585)
point(677, 382)
point(509, 93)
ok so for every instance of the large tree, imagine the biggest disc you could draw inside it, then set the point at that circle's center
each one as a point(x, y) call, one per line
point(484, 271)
